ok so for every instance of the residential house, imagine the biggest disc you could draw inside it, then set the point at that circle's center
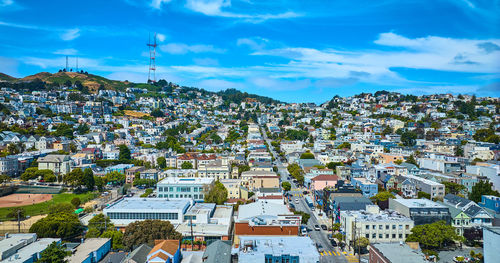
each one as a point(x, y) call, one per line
point(57, 163)
point(165, 251)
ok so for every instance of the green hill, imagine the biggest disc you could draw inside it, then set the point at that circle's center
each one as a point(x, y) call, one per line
point(6, 77)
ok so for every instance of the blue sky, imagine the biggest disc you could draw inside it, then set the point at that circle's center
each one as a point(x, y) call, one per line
point(295, 51)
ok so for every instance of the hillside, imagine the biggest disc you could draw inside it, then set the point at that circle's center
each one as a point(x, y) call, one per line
point(45, 80)
point(6, 77)
point(93, 82)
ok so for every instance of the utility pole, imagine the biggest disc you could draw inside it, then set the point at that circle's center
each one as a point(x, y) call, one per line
point(192, 236)
point(18, 220)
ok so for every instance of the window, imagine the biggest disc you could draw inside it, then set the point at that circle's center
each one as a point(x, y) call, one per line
point(407, 227)
point(393, 235)
point(380, 227)
point(400, 235)
point(393, 227)
point(367, 235)
point(374, 227)
point(386, 227)
point(367, 227)
point(400, 227)
point(380, 236)
point(374, 235)
point(387, 236)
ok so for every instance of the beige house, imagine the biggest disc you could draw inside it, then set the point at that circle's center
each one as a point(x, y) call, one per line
point(58, 163)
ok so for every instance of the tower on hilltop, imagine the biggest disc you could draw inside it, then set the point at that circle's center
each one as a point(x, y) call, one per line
point(152, 58)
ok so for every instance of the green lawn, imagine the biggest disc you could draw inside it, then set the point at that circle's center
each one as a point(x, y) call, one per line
point(43, 208)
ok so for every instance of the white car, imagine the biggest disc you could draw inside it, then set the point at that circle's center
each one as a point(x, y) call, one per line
point(296, 201)
point(303, 231)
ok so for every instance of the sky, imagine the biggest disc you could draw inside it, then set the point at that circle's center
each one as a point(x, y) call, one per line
point(291, 50)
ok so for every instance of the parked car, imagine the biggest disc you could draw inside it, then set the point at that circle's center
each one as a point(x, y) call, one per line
point(334, 243)
point(303, 231)
point(316, 227)
point(296, 200)
point(324, 227)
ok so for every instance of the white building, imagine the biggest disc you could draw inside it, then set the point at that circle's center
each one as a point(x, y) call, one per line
point(378, 226)
point(181, 187)
point(128, 210)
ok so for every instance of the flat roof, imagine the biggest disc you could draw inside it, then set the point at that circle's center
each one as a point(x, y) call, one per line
point(395, 252)
point(88, 246)
point(186, 180)
point(419, 203)
point(261, 208)
point(303, 247)
point(28, 251)
point(149, 204)
point(383, 216)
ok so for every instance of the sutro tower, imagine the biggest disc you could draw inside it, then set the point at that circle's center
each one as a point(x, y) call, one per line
point(152, 55)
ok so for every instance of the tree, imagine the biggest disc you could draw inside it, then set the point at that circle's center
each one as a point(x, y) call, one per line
point(333, 165)
point(99, 183)
point(486, 135)
point(387, 130)
point(344, 145)
point(286, 186)
point(100, 222)
point(93, 233)
point(29, 174)
point(243, 168)
point(361, 243)
point(482, 188)
point(453, 188)
point(88, 179)
point(82, 129)
point(147, 231)
point(124, 155)
point(116, 238)
point(74, 178)
point(54, 253)
point(305, 216)
point(61, 208)
point(15, 212)
point(114, 178)
point(423, 195)
point(408, 138)
point(433, 236)
point(398, 162)
point(59, 225)
point(76, 202)
point(412, 160)
point(187, 165)
point(4, 179)
point(307, 155)
point(382, 196)
point(162, 162)
point(217, 194)
point(157, 113)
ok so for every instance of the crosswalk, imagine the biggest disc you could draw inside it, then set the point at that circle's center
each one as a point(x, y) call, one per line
point(349, 257)
point(298, 195)
point(296, 189)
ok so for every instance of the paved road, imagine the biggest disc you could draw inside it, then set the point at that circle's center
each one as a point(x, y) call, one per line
point(329, 253)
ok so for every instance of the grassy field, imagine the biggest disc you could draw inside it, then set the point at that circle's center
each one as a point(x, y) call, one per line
point(43, 208)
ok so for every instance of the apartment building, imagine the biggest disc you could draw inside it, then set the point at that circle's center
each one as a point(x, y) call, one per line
point(378, 226)
point(179, 187)
point(421, 211)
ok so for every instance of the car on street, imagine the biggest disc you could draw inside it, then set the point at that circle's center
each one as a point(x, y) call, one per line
point(324, 227)
point(296, 200)
point(303, 231)
point(334, 243)
point(320, 247)
point(305, 192)
point(316, 227)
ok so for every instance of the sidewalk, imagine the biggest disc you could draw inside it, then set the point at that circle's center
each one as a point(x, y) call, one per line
point(323, 219)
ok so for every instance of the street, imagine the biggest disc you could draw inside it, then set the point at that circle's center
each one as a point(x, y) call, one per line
point(328, 253)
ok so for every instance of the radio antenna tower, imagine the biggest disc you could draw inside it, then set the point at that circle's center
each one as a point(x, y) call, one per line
point(152, 58)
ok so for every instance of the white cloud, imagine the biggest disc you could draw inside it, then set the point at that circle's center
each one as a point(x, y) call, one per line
point(181, 48)
point(157, 3)
point(67, 51)
point(161, 37)
point(255, 43)
point(4, 3)
point(70, 34)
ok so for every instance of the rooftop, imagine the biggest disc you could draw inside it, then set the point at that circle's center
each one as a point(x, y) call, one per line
point(261, 208)
point(382, 216)
point(88, 246)
point(395, 252)
point(254, 248)
point(149, 204)
point(417, 203)
point(185, 180)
